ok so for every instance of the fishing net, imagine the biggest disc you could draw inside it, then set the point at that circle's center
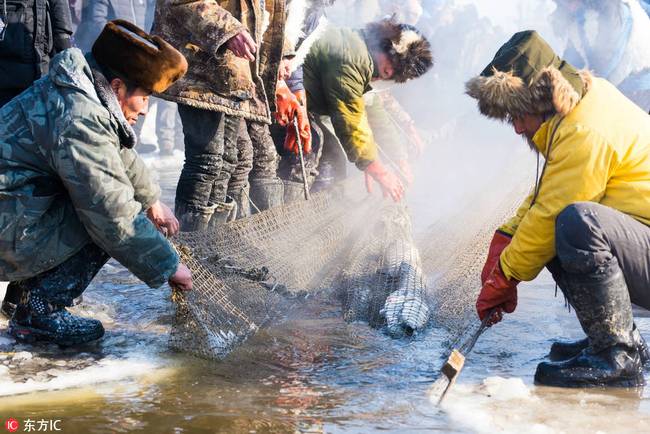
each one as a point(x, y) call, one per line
point(250, 272)
point(342, 244)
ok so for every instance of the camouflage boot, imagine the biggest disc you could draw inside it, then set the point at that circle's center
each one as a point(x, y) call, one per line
point(602, 304)
point(191, 218)
point(240, 198)
point(37, 320)
point(267, 193)
point(224, 212)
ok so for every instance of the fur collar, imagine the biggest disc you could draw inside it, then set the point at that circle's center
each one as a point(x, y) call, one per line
point(503, 94)
point(109, 101)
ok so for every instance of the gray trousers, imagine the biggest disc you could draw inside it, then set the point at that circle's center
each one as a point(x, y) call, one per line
point(239, 177)
point(265, 156)
point(592, 239)
point(326, 163)
point(210, 158)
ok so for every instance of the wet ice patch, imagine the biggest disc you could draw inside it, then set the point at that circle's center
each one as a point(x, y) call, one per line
point(505, 389)
point(508, 405)
point(104, 371)
point(487, 407)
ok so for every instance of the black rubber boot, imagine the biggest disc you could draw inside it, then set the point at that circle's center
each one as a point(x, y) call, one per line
point(11, 300)
point(563, 350)
point(617, 366)
point(267, 193)
point(37, 320)
point(602, 303)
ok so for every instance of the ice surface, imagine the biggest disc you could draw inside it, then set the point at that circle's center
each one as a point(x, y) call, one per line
point(107, 370)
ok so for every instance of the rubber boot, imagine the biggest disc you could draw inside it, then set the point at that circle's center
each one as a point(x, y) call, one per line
point(12, 297)
point(602, 303)
point(326, 177)
point(37, 320)
point(267, 193)
point(242, 202)
point(224, 212)
point(563, 350)
point(193, 219)
point(293, 191)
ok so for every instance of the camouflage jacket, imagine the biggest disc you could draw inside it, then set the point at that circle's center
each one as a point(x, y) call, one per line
point(68, 176)
point(218, 80)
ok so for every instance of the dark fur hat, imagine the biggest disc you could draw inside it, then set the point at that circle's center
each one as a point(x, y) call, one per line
point(408, 49)
point(130, 53)
point(527, 77)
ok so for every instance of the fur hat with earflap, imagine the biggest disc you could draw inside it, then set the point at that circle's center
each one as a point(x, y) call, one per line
point(409, 51)
point(130, 53)
point(527, 77)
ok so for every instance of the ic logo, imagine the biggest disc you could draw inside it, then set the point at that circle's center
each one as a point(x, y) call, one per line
point(12, 425)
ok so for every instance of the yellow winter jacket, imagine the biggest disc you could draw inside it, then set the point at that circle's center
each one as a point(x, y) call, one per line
point(600, 152)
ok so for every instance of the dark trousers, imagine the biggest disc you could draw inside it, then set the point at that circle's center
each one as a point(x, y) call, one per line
point(326, 163)
point(592, 240)
point(210, 157)
point(63, 283)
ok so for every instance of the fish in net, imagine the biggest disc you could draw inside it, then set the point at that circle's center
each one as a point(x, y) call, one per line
point(251, 272)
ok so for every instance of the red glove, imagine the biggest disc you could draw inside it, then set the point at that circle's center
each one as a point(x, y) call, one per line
point(289, 106)
point(290, 142)
point(500, 241)
point(389, 183)
point(497, 293)
point(286, 104)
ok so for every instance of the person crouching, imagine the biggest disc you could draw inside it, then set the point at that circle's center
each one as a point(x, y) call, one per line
point(73, 192)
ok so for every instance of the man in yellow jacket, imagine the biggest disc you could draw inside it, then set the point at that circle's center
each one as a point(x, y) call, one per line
point(587, 218)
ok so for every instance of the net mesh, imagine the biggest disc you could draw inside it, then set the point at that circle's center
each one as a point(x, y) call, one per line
point(250, 272)
point(341, 243)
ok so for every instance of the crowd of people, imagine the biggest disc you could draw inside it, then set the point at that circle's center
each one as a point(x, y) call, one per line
point(273, 99)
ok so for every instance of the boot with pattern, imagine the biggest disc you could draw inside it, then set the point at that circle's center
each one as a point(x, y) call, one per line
point(37, 320)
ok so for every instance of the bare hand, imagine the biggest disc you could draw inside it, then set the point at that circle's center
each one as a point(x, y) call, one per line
point(163, 217)
point(243, 45)
point(285, 69)
point(390, 185)
point(405, 171)
point(416, 140)
point(182, 279)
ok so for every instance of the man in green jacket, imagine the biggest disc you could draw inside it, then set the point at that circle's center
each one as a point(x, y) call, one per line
point(73, 192)
point(338, 71)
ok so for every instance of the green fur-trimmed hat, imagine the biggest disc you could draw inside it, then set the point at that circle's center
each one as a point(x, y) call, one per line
point(129, 52)
point(527, 77)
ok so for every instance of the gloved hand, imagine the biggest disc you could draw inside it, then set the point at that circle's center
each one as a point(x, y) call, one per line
point(389, 182)
point(290, 142)
point(500, 241)
point(286, 104)
point(497, 293)
point(291, 105)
